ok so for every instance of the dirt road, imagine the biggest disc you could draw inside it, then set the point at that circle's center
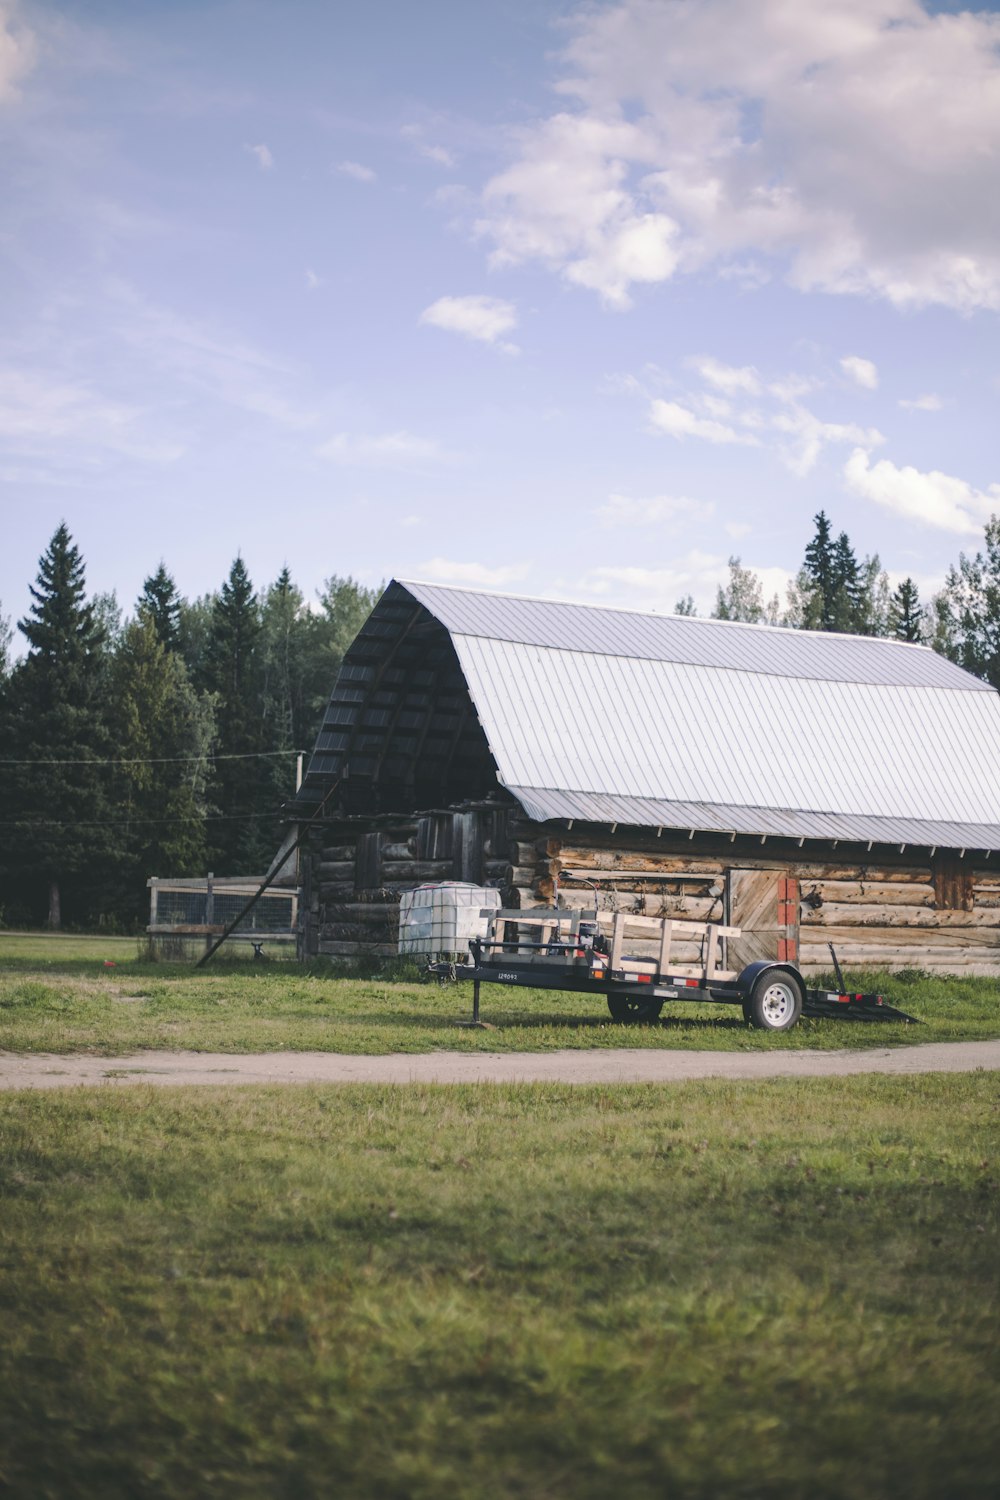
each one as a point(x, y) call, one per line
point(48, 1071)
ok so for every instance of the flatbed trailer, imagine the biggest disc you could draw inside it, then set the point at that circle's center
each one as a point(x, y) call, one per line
point(584, 952)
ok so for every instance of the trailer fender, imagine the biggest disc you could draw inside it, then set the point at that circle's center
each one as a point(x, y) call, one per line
point(748, 977)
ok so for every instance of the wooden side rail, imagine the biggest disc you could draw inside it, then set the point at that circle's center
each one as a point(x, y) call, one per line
point(556, 925)
point(713, 933)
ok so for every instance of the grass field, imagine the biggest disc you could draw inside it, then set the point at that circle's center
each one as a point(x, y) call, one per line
point(95, 994)
point(710, 1290)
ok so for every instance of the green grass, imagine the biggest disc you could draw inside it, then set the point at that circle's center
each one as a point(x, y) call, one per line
point(65, 1003)
point(710, 1290)
point(61, 948)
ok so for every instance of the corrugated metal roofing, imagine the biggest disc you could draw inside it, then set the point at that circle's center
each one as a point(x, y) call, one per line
point(608, 715)
point(681, 638)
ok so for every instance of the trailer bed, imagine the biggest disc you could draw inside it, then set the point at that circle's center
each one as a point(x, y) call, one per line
point(572, 951)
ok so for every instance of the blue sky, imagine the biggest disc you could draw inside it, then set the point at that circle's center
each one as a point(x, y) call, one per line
point(557, 299)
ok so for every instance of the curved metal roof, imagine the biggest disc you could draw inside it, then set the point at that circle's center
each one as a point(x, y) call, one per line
point(612, 715)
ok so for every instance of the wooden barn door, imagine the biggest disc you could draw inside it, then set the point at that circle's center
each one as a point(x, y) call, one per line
point(765, 903)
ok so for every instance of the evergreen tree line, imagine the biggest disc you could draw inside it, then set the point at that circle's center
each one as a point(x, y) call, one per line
point(834, 590)
point(163, 743)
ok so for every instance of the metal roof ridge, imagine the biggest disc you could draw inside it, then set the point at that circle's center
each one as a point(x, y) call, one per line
point(648, 614)
point(696, 666)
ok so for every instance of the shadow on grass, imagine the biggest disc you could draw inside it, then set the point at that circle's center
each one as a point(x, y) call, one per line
point(540, 1020)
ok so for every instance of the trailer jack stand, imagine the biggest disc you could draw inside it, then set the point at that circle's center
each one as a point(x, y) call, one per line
point(476, 1022)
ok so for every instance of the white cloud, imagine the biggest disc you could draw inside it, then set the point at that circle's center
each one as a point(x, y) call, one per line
point(439, 154)
point(357, 170)
point(809, 435)
point(17, 52)
point(753, 413)
point(313, 282)
point(930, 402)
point(42, 416)
point(564, 203)
point(932, 498)
point(731, 379)
point(819, 139)
point(444, 570)
point(678, 422)
point(621, 510)
point(265, 159)
point(861, 371)
point(208, 361)
point(478, 317)
point(386, 450)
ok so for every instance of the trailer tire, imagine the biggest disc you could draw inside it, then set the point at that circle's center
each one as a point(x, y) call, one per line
point(629, 1008)
point(775, 1002)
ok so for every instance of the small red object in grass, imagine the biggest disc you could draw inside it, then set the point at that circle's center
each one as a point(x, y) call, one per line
point(109, 963)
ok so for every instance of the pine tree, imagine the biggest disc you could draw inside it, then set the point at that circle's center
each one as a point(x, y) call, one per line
point(283, 647)
point(165, 731)
point(906, 618)
point(241, 841)
point(160, 603)
point(819, 577)
point(844, 602)
point(56, 741)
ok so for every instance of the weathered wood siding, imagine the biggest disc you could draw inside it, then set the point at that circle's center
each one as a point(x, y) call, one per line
point(881, 909)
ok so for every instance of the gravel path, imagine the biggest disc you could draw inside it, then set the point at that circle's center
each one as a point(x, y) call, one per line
point(48, 1071)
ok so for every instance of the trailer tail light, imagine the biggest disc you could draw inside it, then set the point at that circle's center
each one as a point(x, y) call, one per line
point(598, 973)
point(643, 978)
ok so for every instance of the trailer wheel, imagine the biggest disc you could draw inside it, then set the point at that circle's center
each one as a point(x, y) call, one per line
point(775, 1002)
point(634, 1008)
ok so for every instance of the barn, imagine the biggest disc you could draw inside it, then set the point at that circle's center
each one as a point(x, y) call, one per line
point(809, 788)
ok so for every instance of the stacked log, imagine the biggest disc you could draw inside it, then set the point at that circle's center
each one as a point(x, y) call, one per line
point(886, 914)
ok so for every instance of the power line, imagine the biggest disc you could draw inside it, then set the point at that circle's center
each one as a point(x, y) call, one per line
point(159, 760)
point(140, 822)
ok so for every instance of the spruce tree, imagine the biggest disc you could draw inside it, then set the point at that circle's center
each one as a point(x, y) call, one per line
point(241, 840)
point(844, 602)
point(906, 618)
point(165, 733)
point(282, 651)
point(56, 743)
point(160, 603)
point(819, 576)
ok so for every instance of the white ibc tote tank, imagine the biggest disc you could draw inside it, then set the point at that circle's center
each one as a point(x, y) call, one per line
point(441, 920)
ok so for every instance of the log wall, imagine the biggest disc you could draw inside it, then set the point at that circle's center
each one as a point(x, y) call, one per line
point(885, 908)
